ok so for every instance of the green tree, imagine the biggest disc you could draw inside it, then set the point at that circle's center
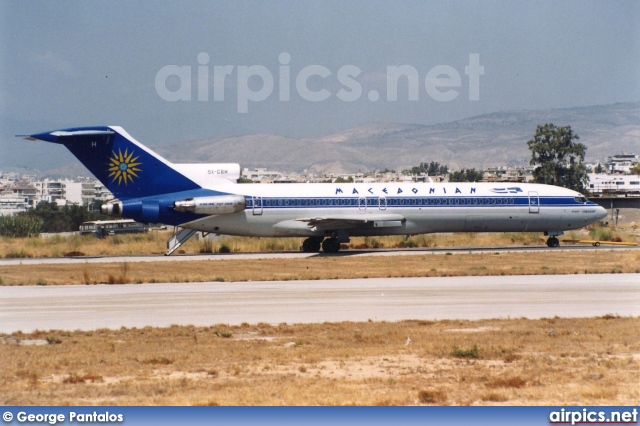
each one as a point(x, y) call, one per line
point(56, 219)
point(53, 220)
point(558, 157)
point(340, 179)
point(636, 169)
point(76, 214)
point(466, 175)
point(432, 169)
point(20, 226)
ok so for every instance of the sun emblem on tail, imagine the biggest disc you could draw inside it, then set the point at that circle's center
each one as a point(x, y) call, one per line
point(123, 167)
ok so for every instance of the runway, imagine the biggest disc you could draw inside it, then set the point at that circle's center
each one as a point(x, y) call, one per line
point(89, 307)
point(299, 255)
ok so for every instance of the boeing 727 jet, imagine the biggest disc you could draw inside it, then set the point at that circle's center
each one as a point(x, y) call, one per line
point(206, 198)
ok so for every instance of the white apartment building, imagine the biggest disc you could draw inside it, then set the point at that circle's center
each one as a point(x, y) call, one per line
point(19, 195)
point(622, 163)
point(614, 184)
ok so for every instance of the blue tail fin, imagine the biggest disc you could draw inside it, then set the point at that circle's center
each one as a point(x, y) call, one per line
point(123, 165)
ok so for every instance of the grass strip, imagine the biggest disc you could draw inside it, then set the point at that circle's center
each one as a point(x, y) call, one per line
point(327, 267)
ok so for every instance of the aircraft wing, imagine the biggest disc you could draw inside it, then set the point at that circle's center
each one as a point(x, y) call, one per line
point(349, 221)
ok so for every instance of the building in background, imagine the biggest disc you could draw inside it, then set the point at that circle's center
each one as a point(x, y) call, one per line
point(20, 192)
point(622, 163)
point(614, 185)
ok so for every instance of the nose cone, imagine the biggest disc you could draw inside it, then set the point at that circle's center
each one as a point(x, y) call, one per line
point(601, 213)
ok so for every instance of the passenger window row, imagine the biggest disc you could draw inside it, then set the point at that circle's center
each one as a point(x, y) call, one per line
point(435, 201)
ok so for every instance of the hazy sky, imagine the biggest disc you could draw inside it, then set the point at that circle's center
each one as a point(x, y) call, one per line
point(69, 63)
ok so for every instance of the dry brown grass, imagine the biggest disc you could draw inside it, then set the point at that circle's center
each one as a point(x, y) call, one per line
point(76, 245)
point(590, 361)
point(155, 243)
point(328, 267)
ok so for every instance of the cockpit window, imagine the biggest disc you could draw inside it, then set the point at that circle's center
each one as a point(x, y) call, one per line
point(580, 199)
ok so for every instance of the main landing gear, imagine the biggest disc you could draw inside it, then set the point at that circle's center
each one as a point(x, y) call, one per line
point(331, 245)
point(312, 245)
point(553, 242)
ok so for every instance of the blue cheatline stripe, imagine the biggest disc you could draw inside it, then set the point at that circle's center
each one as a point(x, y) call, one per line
point(408, 202)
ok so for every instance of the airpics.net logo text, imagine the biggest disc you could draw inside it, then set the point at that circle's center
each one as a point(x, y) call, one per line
point(257, 83)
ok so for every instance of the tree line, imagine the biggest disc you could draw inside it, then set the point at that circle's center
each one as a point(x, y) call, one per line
point(46, 217)
point(430, 169)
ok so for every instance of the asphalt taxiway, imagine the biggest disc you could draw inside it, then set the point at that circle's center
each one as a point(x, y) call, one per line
point(88, 307)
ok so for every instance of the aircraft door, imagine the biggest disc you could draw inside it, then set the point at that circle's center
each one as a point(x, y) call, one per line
point(534, 202)
point(257, 206)
point(382, 202)
point(362, 203)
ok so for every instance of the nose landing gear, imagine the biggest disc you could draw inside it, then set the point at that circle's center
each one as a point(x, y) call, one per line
point(553, 242)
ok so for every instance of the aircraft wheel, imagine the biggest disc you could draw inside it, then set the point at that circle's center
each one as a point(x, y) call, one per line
point(330, 245)
point(311, 245)
point(553, 242)
point(596, 244)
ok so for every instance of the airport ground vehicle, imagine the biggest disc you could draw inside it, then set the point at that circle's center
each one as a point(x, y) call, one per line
point(102, 228)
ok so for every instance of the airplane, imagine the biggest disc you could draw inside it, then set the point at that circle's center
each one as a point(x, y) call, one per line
point(207, 198)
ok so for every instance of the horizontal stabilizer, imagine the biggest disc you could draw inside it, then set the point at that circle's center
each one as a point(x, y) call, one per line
point(68, 133)
point(61, 133)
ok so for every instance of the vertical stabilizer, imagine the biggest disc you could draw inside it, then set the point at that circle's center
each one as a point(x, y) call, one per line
point(123, 165)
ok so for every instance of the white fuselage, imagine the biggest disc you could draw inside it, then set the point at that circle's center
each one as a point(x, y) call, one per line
point(399, 208)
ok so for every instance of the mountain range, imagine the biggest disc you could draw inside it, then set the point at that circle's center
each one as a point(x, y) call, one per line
point(482, 141)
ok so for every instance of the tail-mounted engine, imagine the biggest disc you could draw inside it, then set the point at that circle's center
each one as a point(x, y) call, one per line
point(164, 210)
point(113, 208)
point(216, 205)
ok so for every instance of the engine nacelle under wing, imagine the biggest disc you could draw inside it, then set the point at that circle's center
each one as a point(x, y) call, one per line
point(216, 205)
